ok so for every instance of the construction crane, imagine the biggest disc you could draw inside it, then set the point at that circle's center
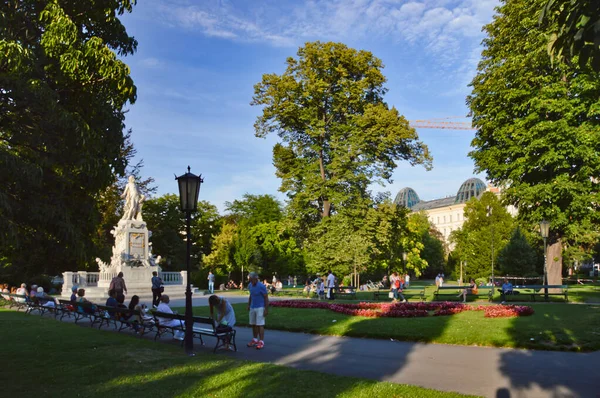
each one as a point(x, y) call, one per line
point(440, 123)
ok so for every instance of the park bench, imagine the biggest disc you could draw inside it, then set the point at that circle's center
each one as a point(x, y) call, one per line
point(64, 308)
point(15, 300)
point(539, 290)
point(204, 326)
point(454, 290)
point(287, 292)
point(342, 293)
point(40, 305)
point(123, 318)
point(408, 292)
point(162, 329)
point(85, 310)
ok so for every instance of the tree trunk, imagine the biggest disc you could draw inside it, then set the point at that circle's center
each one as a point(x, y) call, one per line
point(326, 203)
point(554, 264)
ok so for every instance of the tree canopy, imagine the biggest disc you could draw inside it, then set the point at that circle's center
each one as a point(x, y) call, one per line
point(487, 224)
point(537, 126)
point(62, 96)
point(575, 30)
point(337, 134)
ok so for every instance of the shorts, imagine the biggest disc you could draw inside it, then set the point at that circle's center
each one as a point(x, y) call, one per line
point(257, 317)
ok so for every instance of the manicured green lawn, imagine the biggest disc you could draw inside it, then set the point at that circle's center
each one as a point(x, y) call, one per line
point(45, 358)
point(554, 326)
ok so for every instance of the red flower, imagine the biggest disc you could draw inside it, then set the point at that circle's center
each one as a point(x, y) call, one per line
point(407, 310)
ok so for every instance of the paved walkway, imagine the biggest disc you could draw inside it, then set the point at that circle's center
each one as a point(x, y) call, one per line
point(491, 372)
point(486, 371)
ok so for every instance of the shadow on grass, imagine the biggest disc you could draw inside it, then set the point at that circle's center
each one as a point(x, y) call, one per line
point(565, 327)
point(318, 350)
point(55, 359)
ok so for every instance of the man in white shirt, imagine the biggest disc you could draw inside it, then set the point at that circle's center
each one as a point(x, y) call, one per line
point(164, 307)
point(330, 285)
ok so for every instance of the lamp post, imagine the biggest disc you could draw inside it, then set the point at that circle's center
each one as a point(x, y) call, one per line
point(189, 188)
point(404, 255)
point(489, 213)
point(545, 231)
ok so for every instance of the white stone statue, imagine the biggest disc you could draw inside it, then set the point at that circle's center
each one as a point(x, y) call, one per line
point(102, 265)
point(133, 201)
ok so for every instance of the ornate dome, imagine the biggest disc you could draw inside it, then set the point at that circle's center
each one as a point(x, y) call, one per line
point(407, 197)
point(472, 188)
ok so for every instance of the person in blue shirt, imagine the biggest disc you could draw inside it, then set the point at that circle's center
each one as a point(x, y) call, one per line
point(258, 306)
point(74, 294)
point(112, 299)
point(507, 288)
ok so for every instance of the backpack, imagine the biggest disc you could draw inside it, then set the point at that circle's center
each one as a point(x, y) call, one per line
point(397, 284)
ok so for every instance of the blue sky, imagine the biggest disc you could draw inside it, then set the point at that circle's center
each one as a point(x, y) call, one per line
point(197, 62)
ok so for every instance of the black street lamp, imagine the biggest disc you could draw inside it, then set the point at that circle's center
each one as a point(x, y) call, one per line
point(545, 231)
point(404, 256)
point(189, 189)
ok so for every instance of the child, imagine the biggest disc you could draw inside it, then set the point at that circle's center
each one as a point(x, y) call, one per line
point(321, 289)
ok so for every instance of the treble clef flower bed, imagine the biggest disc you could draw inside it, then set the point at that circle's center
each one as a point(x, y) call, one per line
point(408, 310)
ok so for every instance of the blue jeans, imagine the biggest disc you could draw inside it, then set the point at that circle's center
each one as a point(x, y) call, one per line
point(211, 287)
point(395, 292)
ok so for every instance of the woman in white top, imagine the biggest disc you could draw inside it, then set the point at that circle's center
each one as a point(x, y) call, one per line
point(225, 318)
point(225, 314)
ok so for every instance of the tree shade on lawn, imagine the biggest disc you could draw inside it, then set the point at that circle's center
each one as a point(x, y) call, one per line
point(93, 363)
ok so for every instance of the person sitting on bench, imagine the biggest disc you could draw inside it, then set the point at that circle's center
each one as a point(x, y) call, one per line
point(472, 289)
point(507, 288)
point(171, 323)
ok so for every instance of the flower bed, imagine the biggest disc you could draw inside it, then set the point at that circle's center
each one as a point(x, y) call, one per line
point(408, 310)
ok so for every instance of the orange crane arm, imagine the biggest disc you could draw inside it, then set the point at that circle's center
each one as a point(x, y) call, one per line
point(430, 124)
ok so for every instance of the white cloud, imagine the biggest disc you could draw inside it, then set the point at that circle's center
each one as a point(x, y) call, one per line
point(290, 23)
point(151, 63)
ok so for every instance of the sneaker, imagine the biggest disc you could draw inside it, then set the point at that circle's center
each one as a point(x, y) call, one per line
point(252, 343)
point(404, 301)
point(260, 345)
point(502, 302)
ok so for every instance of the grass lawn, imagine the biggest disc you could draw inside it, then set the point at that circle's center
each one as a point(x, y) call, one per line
point(45, 358)
point(553, 326)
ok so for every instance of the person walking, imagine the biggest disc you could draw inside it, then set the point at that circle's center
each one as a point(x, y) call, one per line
point(157, 289)
point(330, 285)
point(258, 307)
point(211, 282)
point(118, 284)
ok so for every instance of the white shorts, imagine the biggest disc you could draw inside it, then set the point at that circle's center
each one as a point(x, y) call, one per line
point(257, 316)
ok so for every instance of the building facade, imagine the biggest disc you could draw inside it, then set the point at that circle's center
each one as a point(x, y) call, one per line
point(446, 214)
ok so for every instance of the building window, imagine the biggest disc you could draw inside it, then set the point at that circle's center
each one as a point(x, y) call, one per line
point(444, 219)
point(438, 220)
point(450, 217)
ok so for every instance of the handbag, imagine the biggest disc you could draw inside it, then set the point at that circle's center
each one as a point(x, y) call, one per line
point(162, 289)
point(391, 294)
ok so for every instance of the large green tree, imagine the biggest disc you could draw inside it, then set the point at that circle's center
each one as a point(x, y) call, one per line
point(518, 257)
point(574, 27)
point(537, 128)
point(167, 223)
point(255, 209)
point(63, 91)
point(486, 230)
point(337, 133)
